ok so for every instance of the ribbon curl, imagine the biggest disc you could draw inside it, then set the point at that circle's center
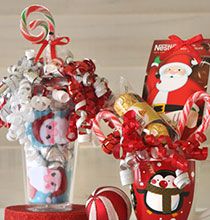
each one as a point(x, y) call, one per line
point(148, 147)
point(87, 96)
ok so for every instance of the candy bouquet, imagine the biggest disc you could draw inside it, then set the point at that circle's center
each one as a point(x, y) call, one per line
point(47, 102)
point(158, 139)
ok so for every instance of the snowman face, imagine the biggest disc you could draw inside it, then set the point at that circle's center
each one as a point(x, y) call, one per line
point(53, 131)
point(167, 182)
point(53, 180)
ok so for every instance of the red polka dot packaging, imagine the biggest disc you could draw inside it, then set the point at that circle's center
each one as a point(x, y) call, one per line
point(108, 203)
point(161, 192)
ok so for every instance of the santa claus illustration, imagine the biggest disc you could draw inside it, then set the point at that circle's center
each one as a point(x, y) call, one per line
point(48, 128)
point(169, 85)
point(46, 185)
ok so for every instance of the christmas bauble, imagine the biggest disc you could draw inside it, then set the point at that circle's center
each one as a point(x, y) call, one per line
point(108, 203)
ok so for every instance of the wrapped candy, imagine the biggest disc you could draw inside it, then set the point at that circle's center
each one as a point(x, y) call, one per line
point(150, 121)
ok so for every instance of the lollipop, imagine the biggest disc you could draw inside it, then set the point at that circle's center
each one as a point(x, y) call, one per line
point(47, 35)
point(47, 26)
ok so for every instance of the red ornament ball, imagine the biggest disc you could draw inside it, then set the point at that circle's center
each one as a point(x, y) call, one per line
point(108, 203)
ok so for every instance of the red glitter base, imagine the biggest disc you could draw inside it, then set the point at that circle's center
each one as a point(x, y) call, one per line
point(21, 212)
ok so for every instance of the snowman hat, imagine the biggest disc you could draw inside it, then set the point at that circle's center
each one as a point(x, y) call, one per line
point(184, 61)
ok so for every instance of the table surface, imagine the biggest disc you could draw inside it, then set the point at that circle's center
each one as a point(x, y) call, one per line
point(193, 217)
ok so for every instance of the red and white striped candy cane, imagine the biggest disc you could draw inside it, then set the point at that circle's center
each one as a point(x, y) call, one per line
point(107, 115)
point(47, 25)
point(183, 117)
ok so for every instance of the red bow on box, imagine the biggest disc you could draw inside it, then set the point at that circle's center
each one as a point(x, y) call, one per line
point(179, 43)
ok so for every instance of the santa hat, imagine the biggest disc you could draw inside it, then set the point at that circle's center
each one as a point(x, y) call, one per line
point(36, 126)
point(184, 61)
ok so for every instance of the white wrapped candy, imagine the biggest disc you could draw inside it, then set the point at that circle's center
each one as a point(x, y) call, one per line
point(30, 54)
point(60, 96)
point(100, 87)
point(126, 174)
point(182, 179)
point(11, 82)
point(24, 89)
point(32, 76)
point(40, 103)
point(33, 157)
point(11, 136)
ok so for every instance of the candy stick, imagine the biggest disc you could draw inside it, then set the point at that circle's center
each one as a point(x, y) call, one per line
point(107, 115)
point(183, 117)
point(48, 26)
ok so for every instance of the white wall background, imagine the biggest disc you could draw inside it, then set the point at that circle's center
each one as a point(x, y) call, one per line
point(118, 34)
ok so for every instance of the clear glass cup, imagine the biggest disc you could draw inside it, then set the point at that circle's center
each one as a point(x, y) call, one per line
point(49, 161)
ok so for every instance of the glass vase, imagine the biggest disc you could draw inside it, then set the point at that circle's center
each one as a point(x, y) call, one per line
point(49, 161)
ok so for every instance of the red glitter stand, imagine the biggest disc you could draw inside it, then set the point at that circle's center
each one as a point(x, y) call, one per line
point(21, 212)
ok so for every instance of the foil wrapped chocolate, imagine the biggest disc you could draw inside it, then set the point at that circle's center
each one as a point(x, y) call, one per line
point(150, 121)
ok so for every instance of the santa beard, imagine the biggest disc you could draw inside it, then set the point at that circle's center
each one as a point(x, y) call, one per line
point(171, 82)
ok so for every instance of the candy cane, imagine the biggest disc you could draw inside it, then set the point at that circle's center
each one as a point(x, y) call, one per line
point(183, 117)
point(107, 115)
point(47, 26)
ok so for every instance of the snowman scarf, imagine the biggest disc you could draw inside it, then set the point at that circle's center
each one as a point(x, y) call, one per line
point(166, 193)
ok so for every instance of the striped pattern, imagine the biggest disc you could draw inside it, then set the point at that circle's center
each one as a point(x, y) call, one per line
point(108, 203)
point(47, 25)
point(183, 117)
point(107, 115)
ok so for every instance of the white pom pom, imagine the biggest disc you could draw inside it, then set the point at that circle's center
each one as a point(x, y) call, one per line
point(194, 62)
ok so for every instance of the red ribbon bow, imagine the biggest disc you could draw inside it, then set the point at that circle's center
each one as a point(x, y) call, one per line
point(53, 43)
point(179, 43)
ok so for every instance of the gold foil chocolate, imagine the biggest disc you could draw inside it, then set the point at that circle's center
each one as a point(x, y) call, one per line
point(149, 119)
